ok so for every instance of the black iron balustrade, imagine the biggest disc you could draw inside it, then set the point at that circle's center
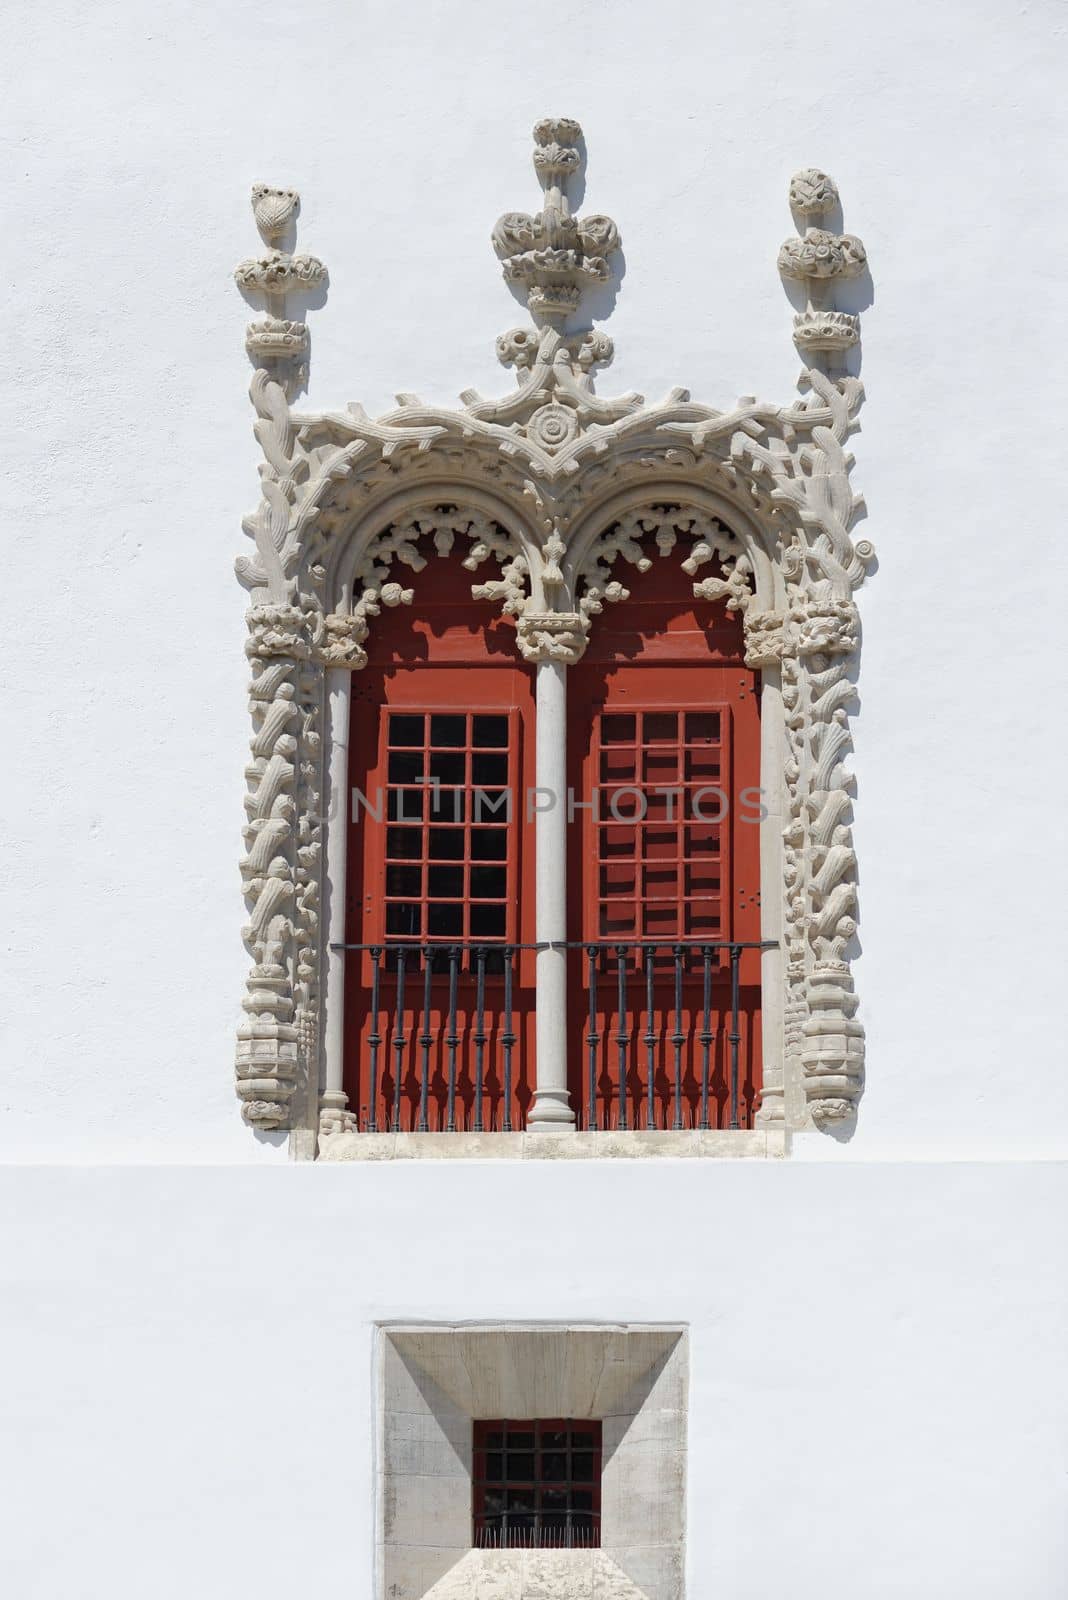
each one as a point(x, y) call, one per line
point(676, 979)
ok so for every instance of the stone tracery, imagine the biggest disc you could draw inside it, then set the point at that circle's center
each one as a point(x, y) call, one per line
point(547, 491)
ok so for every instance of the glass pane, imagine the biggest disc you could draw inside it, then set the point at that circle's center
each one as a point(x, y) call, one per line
point(404, 880)
point(448, 766)
point(405, 730)
point(448, 732)
point(487, 922)
point(488, 844)
point(520, 1465)
point(494, 1465)
point(445, 921)
point(582, 1467)
point(491, 805)
point(446, 844)
point(617, 730)
point(404, 842)
point(406, 766)
point(488, 770)
point(489, 883)
point(403, 919)
point(491, 732)
point(445, 883)
point(406, 805)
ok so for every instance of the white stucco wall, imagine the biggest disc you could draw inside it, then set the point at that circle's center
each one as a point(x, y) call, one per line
point(877, 1348)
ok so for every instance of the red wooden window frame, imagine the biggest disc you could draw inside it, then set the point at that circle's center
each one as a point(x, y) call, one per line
point(452, 657)
point(536, 1484)
point(662, 653)
point(437, 831)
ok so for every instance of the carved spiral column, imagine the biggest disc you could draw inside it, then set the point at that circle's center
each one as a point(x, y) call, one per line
point(823, 867)
point(267, 1048)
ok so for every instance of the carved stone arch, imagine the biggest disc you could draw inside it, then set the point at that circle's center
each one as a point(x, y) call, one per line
point(554, 466)
point(756, 582)
point(377, 559)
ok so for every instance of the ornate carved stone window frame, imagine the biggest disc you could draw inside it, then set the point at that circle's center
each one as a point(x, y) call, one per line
point(546, 491)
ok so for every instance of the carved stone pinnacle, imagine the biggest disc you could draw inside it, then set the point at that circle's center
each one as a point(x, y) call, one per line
point(553, 253)
point(816, 258)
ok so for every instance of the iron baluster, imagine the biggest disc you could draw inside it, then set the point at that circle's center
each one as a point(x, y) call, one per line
point(707, 1036)
point(678, 1039)
point(374, 1038)
point(508, 1039)
point(650, 1036)
point(398, 1037)
point(622, 1031)
point(734, 1035)
point(480, 1032)
point(452, 1038)
point(593, 1038)
point(426, 1039)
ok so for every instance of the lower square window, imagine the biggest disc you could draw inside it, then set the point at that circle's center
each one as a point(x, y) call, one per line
point(537, 1484)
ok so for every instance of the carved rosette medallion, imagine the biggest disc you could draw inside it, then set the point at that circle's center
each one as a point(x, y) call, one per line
point(556, 500)
point(553, 426)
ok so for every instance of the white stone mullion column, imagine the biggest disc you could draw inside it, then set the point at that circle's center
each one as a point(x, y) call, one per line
point(334, 1115)
point(551, 1110)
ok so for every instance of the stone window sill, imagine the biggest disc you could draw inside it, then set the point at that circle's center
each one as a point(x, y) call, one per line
point(763, 1143)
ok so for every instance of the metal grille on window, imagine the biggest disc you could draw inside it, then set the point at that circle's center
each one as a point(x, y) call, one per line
point(537, 1485)
point(662, 800)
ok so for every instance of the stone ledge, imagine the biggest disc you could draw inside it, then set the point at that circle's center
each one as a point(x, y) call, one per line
point(645, 1144)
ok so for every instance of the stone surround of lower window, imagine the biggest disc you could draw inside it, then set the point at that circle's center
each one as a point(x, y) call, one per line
point(434, 1379)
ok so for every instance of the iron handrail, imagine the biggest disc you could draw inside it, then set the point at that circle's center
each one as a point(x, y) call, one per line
point(481, 950)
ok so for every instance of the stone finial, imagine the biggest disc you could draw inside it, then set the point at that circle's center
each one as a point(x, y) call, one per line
point(273, 209)
point(816, 258)
point(274, 274)
point(553, 253)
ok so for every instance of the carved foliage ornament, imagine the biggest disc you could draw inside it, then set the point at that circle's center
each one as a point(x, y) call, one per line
point(556, 498)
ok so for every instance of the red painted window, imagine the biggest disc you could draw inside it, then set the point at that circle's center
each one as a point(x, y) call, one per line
point(537, 1484)
point(442, 729)
point(664, 738)
point(664, 864)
